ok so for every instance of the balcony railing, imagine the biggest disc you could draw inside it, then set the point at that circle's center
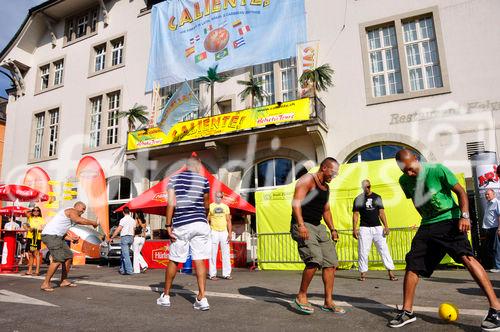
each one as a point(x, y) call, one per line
point(318, 109)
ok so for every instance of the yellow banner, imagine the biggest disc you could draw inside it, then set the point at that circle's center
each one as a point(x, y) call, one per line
point(296, 110)
point(274, 209)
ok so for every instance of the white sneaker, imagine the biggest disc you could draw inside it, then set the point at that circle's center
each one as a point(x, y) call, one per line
point(201, 305)
point(163, 300)
point(494, 270)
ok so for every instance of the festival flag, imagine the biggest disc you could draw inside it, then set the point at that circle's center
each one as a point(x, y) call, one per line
point(189, 51)
point(222, 54)
point(200, 57)
point(244, 30)
point(175, 25)
point(239, 42)
point(93, 181)
point(182, 103)
point(307, 59)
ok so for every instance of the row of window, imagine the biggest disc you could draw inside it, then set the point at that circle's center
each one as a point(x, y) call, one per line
point(81, 25)
point(417, 41)
point(102, 129)
point(105, 56)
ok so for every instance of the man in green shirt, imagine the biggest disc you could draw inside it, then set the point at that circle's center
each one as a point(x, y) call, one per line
point(443, 230)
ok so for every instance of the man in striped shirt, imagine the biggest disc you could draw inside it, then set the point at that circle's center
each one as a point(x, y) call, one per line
point(187, 227)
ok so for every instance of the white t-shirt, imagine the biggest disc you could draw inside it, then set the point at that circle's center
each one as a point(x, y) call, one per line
point(11, 226)
point(128, 224)
point(59, 225)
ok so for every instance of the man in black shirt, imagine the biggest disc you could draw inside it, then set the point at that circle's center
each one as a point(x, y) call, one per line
point(310, 205)
point(370, 208)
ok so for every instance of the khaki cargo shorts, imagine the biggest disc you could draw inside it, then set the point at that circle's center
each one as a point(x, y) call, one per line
point(58, 248)
point(318, 249)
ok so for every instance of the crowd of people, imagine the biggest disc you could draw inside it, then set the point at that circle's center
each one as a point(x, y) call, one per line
point(197, 228)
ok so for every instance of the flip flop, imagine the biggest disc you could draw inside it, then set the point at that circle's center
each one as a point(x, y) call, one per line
point(48, 289)
point(362, 278)
point(333, 309)
point(69, 285)
point(303, 308)
point(28, 274)
point(393, 278)
point(228, 278)
point(213, 278)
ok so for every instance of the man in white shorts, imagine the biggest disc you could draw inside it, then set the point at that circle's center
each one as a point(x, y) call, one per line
point(187, 227)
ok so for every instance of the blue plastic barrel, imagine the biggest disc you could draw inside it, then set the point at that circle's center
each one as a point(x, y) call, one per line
point(187, 268)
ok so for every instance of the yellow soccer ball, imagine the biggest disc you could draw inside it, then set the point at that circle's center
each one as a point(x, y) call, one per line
point(448, 312)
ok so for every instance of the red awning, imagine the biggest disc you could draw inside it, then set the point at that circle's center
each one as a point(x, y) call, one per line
point(154, 200)
point(14, 192)
point(12, 210)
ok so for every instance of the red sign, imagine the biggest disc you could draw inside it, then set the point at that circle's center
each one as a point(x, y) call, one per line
point(155, 253)
point(161, 197)
point(160, 255)
point(487, 175)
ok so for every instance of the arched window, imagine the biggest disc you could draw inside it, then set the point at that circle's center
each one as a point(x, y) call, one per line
point(380, 151)
point(271, 173)
point(120, 188)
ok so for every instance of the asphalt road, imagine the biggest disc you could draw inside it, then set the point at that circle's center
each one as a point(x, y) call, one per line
point(253, 301)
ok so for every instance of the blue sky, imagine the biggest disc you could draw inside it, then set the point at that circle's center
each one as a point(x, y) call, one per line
point(13, 14)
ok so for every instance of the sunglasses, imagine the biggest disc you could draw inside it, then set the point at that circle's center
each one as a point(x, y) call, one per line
point(36, 210)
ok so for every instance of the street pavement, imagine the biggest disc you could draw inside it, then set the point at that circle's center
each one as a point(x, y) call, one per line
point(252, 301)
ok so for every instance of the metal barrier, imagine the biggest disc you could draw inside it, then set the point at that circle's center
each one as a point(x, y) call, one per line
point(281, 248)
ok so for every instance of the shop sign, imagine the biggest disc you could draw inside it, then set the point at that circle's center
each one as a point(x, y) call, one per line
point(292, 111)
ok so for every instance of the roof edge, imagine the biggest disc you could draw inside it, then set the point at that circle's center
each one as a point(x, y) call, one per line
point(26, 19)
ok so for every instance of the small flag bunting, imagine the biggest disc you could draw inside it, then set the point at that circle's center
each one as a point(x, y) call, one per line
point(221, 54)
point(200, 57)
point(189, 51)
point(244, 30)
point(239, 42)
point(236, 23)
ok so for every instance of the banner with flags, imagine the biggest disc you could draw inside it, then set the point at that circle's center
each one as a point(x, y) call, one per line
point(182, 106)
point(307, 59)
point(190, 36)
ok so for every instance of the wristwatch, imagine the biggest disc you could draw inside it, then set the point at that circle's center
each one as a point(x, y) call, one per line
point(465, 215)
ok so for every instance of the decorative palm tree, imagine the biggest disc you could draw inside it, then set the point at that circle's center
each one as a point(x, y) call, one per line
point(253, 88)
point(320, 78)
point(211, 78)
point(136, 113)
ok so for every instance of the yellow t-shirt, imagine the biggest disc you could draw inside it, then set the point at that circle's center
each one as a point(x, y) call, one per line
point(218, 213)
point(35, 223)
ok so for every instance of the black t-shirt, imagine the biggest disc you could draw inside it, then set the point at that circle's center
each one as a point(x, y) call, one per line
point(368, 207)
